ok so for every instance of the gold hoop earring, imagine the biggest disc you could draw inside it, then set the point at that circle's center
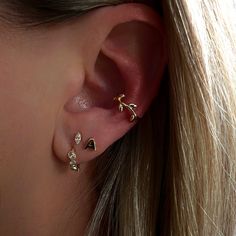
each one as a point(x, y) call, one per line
point(131, 107)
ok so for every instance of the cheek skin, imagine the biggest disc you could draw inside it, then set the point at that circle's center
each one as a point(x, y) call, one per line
point(39, 72)
point(23, 109)
point(36, 73)
point(30, 98)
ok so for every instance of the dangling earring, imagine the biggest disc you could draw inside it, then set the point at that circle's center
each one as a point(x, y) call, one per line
point(131, 107)
point(72, 154)
point(73, 163)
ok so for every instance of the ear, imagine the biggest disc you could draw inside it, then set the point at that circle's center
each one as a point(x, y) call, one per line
point(123, 53)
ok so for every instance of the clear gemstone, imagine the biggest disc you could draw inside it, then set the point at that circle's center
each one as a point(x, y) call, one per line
point(73, 162)
point(74, 167)
point(78, 138)
point(72, 155)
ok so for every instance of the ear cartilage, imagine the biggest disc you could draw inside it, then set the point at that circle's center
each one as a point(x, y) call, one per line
point(130, 107)
point(91, 144)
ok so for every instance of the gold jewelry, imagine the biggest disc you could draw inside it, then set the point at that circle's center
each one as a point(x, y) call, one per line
point(72, 154)
point(131, 107)
point(73, 163)
point(91, 144)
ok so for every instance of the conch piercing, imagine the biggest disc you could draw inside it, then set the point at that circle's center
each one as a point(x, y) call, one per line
point(72, 154)
point(131, 107)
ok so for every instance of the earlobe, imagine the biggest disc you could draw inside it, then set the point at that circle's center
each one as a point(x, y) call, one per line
point(126, 63)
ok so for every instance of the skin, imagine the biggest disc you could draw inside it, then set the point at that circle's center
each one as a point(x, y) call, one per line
point(55, 81)
point(31, 81)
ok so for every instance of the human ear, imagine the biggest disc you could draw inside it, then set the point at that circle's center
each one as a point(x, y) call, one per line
point(123, 53)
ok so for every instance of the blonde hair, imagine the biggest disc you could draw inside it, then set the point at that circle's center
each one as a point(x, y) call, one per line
point(175, 173)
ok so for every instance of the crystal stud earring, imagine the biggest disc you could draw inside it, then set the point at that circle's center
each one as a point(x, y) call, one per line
point(78, 138)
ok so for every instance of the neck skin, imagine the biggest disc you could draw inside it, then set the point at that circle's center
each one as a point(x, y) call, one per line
point(52, 201)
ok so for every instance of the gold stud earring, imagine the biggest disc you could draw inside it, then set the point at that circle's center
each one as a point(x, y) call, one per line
point(91, 144)
point(131, 107)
